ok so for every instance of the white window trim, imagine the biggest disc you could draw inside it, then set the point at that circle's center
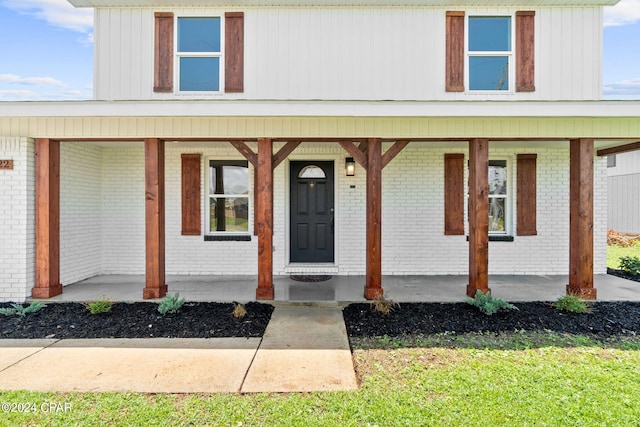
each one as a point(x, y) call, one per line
point(510, 55)
point(177, 55)
point(208, 196)
point(508, 198)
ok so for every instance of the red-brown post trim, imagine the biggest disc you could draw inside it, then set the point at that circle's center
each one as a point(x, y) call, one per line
point(47, 209)
point(373, 287)
point(478, 217)
point(264, 219)
point(581, 219)
point(155, 283)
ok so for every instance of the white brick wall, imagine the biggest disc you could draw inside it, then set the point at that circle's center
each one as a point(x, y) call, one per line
point(17, 220)
point(80, 211)
point(123, 198)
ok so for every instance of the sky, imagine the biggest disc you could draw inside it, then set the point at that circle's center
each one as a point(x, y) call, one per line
point(46, 51)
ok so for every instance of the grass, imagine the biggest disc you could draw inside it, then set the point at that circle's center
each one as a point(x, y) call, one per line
point(615, 252)
point(576, 382)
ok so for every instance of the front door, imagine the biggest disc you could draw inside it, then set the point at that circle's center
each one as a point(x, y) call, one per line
point(312, 211)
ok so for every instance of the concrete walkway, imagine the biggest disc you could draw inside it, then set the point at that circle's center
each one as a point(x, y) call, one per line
point(303, 349)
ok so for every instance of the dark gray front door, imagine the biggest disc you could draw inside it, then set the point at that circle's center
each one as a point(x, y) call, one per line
point(312, 211)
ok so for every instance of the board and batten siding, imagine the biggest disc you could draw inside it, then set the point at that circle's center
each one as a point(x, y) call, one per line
point(624, 193)
point(351, 53)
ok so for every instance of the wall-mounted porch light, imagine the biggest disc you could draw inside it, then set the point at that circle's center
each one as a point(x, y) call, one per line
point(350, 166)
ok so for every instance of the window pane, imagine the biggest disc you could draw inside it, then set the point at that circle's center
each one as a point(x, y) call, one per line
point(224, 179)
point(229, 214)
point(489, 34)
point(198, 34)
point(488, 73)
point(199, 74)
point(311, 171)
point(497, 177)
point(496, 214)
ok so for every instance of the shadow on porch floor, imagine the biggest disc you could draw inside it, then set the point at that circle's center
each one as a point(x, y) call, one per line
point(344, 289)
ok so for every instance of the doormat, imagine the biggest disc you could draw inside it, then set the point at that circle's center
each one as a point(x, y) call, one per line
point(310, 277)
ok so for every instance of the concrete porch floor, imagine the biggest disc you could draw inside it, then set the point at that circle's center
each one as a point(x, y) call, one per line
point(344, 289)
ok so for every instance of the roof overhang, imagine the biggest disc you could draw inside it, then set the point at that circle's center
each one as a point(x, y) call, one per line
point(309, 3)
point(246, 108)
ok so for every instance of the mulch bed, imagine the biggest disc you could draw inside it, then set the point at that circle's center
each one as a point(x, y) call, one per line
point(137, 320)
point(623, 274)
point(606, 319)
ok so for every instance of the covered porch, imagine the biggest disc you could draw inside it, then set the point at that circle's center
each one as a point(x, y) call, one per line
point(343, 289)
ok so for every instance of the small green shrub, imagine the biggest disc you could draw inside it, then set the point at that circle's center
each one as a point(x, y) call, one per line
point(383, 305)
point(20, 310)
point(489, 305)
point(572, 304)
point(99, 307)
point(630, 264)
point(170, 304)
point(239, 310)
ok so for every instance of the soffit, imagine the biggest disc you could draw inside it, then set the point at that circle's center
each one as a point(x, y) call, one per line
point(308, 3)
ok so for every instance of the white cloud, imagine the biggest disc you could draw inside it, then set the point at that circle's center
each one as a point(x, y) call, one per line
point(624, 13)
point(625, 87)
point(34, 81)
point(58, 13)
point(16, 95)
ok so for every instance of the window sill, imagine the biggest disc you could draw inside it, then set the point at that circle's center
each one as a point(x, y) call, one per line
point(229, 238)
point(498, 238)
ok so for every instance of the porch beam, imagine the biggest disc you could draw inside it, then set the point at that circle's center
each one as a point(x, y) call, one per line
point(244, 149)
point(47, 233)
point(363, 147)
point(155, 282)
point(393, 151)
point(619, 149)
point(478, 217)
point(264, 219)
point(373, 286)
point(355, 152)
point(581, 219)
point(284, 152)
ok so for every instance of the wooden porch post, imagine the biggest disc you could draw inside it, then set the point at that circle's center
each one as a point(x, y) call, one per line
point(478, 217)
point(264, 219)
point(581, 219)
point(373, 285)
point(156, 286)
point(47, 233)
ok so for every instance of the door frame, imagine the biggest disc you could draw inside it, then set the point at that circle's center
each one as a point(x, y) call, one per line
point(287, 226)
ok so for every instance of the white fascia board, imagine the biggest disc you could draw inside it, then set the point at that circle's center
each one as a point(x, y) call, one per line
point(307, 3)
point(234, 108)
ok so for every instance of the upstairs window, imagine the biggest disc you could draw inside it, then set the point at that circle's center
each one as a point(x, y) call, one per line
point(199, 54)
point(489, 53)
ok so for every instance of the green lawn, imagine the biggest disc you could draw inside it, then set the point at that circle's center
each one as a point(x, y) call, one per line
point(615, 252)
point(434, 386)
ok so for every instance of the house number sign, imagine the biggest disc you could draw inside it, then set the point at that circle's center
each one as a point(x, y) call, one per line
point(6, 164)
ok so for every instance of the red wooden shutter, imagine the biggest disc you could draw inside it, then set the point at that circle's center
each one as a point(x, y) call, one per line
point(455, 52)
point(234, 52)
point(454, 194)
point(163, 60)
point(525, 51)
point(526, 204)
point(191, 194)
